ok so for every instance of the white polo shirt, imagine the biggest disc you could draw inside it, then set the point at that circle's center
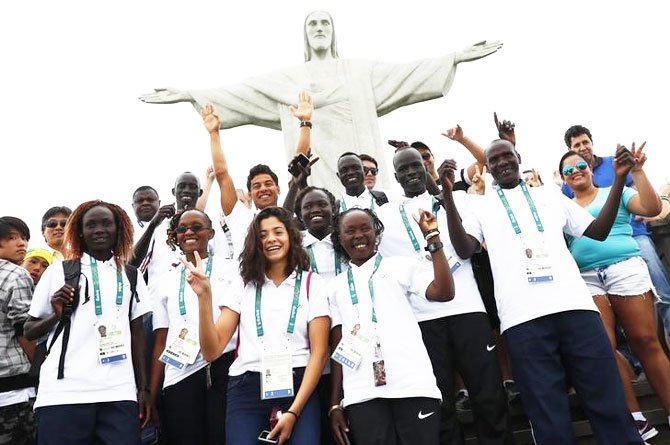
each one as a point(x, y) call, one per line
point(322, 255)
point(408, 369)
point(276, 302)
point(166, 312)
point(519, 301)
point(396, 242)
point(86, 380)
point(364, 201)
point(239, 220)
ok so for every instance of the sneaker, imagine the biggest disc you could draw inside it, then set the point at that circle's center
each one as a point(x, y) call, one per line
point(510, 389)
point(462, 401)
point(646, 431)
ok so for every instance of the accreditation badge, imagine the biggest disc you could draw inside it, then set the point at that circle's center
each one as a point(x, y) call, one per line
point(537, 264)
point(454, 263)
point(111, 341)
point(183, 349)
point(276, 376)
point(350, 349)
point(378, 368)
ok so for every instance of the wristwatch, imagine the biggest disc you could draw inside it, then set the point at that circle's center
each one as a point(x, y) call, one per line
point(434, 247)
point(305, 124)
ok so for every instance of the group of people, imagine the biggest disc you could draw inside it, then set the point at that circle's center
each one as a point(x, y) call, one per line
point(352, 315)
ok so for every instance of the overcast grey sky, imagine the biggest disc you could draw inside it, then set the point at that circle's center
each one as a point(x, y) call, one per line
point(73, 129)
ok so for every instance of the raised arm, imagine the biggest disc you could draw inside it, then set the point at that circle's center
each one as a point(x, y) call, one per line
point(464, 244)
point(142, 246)
point(646, 202)
point(206, 188)
point(456, 134)
point(213, 337)
point(223, 178)
point(600, 228)
point(442, 286)
point(298, 182)
point(303, 112)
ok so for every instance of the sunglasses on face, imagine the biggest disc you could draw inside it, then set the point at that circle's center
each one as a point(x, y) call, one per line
point(53, 223)
point(425, 155)
point(569, 170)
point(195, 228)
point(371, 170)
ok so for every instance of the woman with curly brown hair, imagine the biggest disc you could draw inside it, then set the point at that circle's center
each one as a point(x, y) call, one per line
point(281, 311)
point(94, 391)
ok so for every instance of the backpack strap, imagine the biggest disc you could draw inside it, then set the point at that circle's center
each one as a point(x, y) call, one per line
point(380, 197)
point(71, 271)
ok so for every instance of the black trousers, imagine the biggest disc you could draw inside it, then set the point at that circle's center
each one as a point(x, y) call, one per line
point(195, 414)
point(408, 421)
point(466, 343)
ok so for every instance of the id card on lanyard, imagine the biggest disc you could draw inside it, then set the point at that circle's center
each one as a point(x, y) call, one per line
point(183, 348)
point(537, 262)
point(350, 350)
point(277, 367)
point(109, 330)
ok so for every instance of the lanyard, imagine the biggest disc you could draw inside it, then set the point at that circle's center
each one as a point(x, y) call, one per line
point(312, 261)
point(96, 288)
point(352, 287)
point(510, 213)
point(408, 228)
point(294, 307)
point(182, 283)
point(343, 204)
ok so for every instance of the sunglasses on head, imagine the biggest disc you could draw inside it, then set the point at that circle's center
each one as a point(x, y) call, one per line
point(372, 170)
point(53, 223)
point(195, 228)
point(569, 170)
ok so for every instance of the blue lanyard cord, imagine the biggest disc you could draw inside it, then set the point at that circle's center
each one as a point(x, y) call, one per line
point(97, 296)
point(182, 283)
point(371, 288)
point(294, 308)
point(510, 213)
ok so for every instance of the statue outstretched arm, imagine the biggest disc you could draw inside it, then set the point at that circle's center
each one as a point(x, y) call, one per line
point(166, 96)
point(477, 51)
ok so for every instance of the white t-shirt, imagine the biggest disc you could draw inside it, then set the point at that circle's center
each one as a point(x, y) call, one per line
point(519, 301)
point(166, 312)
point(239, 220)
point(364, 201)
point(85, 379)
point(324, 255)
point(408, 369)
point(276, 302)
point(396, 242)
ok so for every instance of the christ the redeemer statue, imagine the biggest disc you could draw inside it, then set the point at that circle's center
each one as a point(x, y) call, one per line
point(348, 96)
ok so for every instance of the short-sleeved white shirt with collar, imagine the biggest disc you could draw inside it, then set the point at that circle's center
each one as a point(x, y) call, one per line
point(166, 312)
point(396, 242)
point(324, 255)
point(519, 301)
point(364, 201)
point(276, 302)
point(409, 372)
point(239, 220)
point(85, 379)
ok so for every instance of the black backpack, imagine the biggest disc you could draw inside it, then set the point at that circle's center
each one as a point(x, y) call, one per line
point(380, 197)
point(72, 271)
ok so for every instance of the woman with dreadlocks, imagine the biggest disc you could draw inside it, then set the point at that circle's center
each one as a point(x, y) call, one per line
point(194, 391)
point(92, 309)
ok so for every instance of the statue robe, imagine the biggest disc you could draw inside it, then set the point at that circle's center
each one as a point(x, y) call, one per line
point(348, 96)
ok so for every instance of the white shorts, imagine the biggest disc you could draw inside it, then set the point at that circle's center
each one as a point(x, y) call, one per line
point(626, 278)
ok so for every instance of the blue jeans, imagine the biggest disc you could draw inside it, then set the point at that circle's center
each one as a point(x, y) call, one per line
point(248, 415)
point(548, 354)
point(659, 277)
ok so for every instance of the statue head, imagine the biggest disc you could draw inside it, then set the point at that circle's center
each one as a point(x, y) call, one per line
point(319, 34)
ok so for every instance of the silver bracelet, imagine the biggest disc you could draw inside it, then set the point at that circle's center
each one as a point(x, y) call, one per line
point(431, 235)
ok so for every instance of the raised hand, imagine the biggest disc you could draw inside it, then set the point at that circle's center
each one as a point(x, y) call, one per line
point(534, 180)
point(305, 107)
point(397, 144)
point(243, 197)
point(196, 278)
point(210, 119)
point(304, 171)
point(477, 51)
point(447, 174)
point(640, 158)
point(505, 129)
point(427, 221)
point(455, 134)
point(478, 183)
point(166, 96)
point(624, 161)
point(63, 296)
point(166, 211)
point(209, 173)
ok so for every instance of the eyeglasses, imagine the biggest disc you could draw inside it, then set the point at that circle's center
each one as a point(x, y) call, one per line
point(53, 223)
point(195, 228)
point(569, 170)
point(371, 170)
point(425, 155)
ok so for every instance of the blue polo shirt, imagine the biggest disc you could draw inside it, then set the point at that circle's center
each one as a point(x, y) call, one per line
point(603, 176)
